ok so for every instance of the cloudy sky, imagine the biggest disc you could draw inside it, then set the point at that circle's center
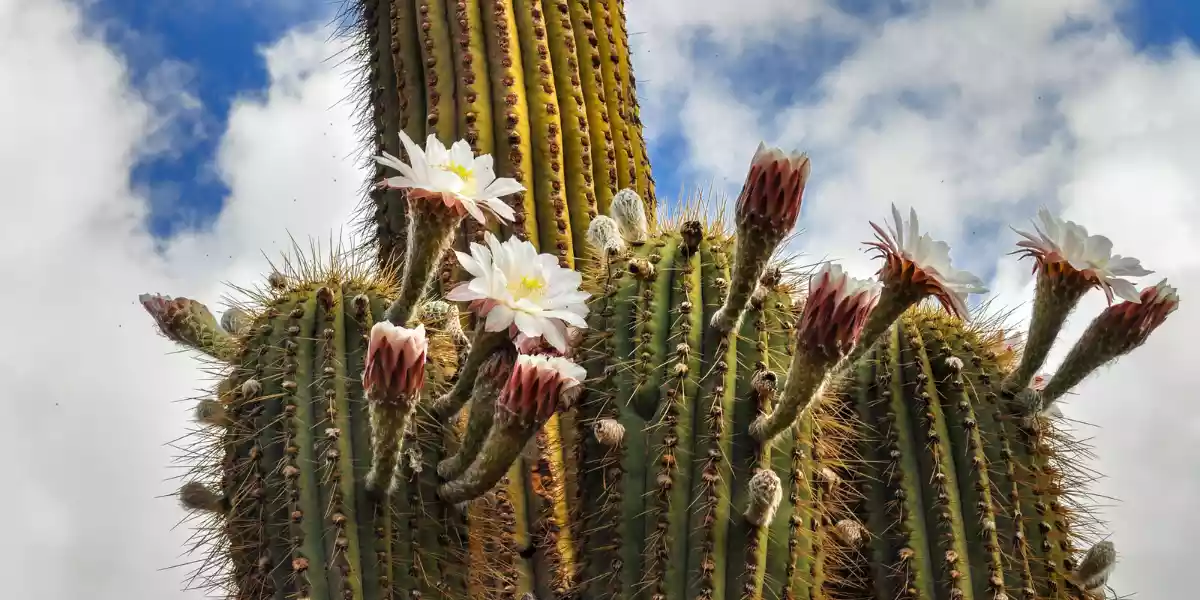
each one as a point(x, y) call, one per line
point(168, 146)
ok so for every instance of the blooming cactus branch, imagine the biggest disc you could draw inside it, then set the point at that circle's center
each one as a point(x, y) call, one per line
point(1117, 331)
point(767, 209)
point(1068, 263)
point(392, 379)
point(916, 266)
point(443, 186)
point(833, 318)
point(539, 386)
point(488, 386)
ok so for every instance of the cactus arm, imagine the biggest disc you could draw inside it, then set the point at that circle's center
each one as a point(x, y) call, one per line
point(514, 156)
point(682, 403)
point(651, 346)
point(882, 550)
point(614, 95)
point(553, 217)
point(438, 57)
point(945, 495)
point(743, 457)
point(335, 470)
point(713, 435)
point(551, 466)
point(603, 154)
point(781, 456)
point(576, 140)
point(918, 573)
point(385, 24)
point(472, 93)
point(638, 159)
point(486, 344)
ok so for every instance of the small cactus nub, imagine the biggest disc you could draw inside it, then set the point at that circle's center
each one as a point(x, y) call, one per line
point(766, 492)
point(605, 235)
point(1098, 564)
point(629, 212)
point(196, 496)
point(235, 320)
point(609, 432)
point(212, 412)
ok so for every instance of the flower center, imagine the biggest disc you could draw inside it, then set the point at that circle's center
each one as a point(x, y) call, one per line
point(464, 173)
point(531, 285)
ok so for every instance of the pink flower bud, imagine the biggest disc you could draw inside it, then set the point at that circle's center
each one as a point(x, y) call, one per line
point(773, 190)
point(537, 384)
point(837, 308)
point(395, 363)
point(1135, 321)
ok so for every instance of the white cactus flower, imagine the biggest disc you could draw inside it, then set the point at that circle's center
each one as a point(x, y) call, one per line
point(915, 258)
point(1068, 243)
point(459, 178)
point(514, 286)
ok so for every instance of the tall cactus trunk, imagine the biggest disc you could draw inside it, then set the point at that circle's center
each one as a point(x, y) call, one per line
point(544, 86)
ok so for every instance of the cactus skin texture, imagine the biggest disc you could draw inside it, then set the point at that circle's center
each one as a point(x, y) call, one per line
point(545, 86)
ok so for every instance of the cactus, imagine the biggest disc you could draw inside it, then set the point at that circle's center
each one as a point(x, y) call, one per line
point(635, 405)
point(544, 86)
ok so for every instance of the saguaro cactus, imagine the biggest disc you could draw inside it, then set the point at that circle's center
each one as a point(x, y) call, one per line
point(544, 86)
point(646, 408)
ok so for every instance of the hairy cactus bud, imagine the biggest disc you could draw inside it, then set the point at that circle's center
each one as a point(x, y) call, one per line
point(235, 320)
point(766, 492)
point(190, 323)
point(609, 432)
point(605, 235)
point(196, 496)
point(850, 532)
point(1092, 574)
point(212, 412)
point(629, 212)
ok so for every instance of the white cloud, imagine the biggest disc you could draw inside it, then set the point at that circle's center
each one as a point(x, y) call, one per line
point(976, 114)
point(89, 389)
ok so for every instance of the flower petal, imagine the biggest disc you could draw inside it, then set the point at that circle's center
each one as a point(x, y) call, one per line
point(1125, 290)
point(501, 187)
point(499, 318)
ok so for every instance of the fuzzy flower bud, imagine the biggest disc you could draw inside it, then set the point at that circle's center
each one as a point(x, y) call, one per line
point(196, 496)
point(836, 310)
point(1093, 573)
point(536, 387)
point(766, 492)
point(604, 235)
point(850, 532)
point(395, 363)
point(608, 432)
point(212, 412)
point(235, 320)
point(629, 212)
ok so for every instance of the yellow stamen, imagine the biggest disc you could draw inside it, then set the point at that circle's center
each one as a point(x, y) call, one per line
point(531, 284)
point(463, 173)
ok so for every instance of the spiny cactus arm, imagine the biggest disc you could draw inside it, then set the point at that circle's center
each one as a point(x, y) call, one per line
point(1117, 331)
point(615, 98)
point(1068, 263)
point(488, 384)
point(437, 54)
point(767, 209)
point(191, 324)
point(486, 344)
point(576, 140)
point(591, 76)
point(552, 213)
point(509, 100)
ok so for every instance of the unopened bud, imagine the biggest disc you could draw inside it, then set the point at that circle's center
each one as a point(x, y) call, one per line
point(609, 432)
point(212, 412)
point(251, 388)
point(629, 212)
point(766, 493)
point(196, 496)
point(1092, 574)
point(235, 320)
point(849, 532)
point(604, 235)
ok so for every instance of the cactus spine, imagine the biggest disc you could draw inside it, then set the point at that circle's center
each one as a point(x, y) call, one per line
point(742, 430)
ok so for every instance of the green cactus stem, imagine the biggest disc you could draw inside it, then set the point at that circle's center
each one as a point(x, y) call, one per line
point(190, 323)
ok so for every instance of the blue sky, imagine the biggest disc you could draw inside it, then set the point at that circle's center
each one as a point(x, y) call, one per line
point(218, 53)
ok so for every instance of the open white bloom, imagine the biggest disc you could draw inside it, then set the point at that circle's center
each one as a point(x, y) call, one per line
point(1068, 244)
point(915, 258)
point(514, 286)
point(461, 179)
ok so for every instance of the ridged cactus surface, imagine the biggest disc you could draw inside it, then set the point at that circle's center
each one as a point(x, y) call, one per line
point(544, 86)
